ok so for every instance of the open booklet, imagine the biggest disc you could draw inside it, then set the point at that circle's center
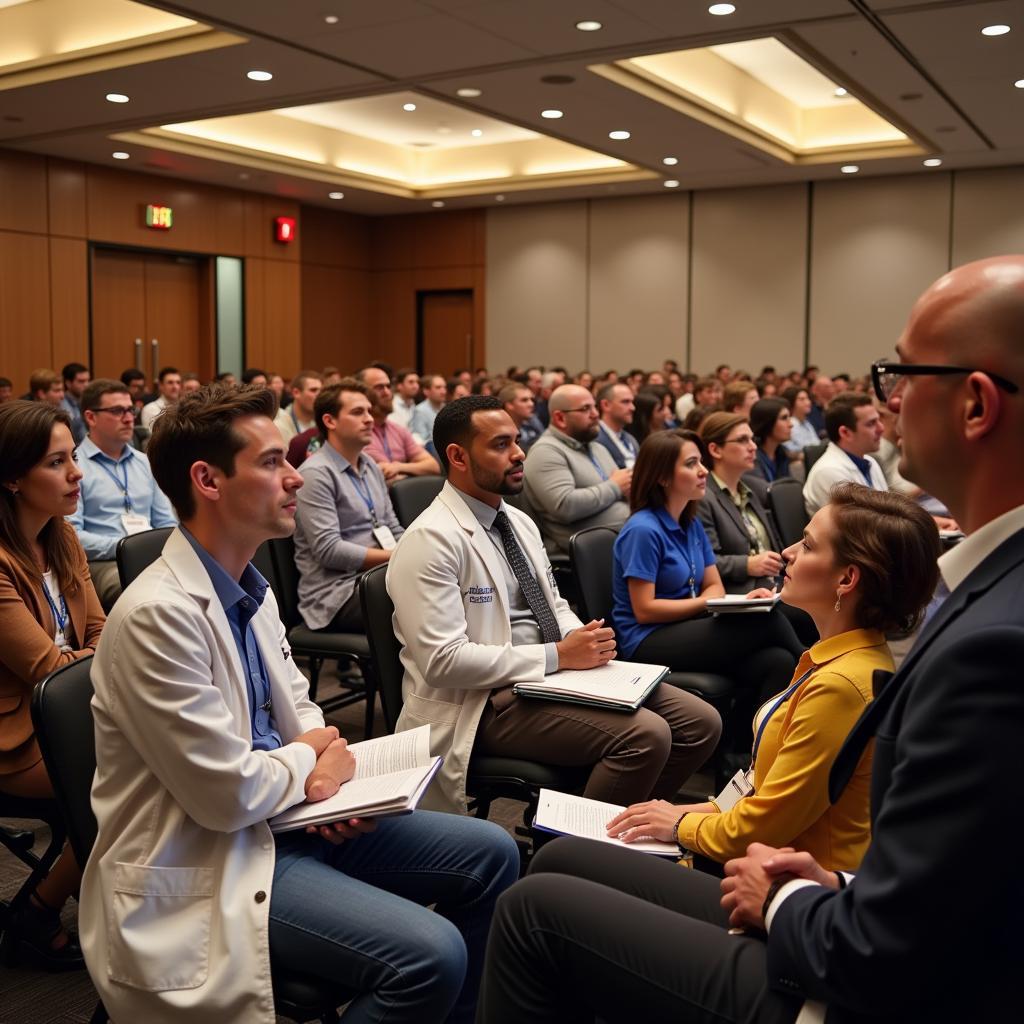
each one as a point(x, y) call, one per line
point(616, 685)
point(392, 774)
point(740, 604)
point(568, 815)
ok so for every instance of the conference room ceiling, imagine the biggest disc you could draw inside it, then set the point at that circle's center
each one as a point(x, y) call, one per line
point(922, 83)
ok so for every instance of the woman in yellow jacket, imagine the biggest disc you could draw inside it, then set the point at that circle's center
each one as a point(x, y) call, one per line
point(865, 566)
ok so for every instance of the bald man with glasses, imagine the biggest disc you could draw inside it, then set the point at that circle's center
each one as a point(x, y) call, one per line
point(572, 482)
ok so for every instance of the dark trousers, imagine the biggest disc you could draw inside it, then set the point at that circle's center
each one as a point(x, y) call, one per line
point(599, 932)
point(348, 618)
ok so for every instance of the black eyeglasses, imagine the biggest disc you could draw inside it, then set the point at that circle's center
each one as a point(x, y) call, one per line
point(118, 410)
point(886, 376)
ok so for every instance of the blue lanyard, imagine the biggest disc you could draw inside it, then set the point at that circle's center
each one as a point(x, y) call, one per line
point(295, 420)
point(384, 442)
point(775, 707)
point(692, 562)
point(603, 475)
point(59, 616)
point(363, 490)
point(123, 484)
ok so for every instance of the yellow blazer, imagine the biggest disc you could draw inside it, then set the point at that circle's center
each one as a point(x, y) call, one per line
point(789, 805)
point(27, 651)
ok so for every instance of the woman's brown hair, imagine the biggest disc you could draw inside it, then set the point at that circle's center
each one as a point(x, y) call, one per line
point(895, 544)
point(25, 432)
point(655, 466)
point(717, 427)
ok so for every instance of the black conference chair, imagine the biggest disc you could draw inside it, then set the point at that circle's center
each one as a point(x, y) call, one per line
point(136, 552)
point(411, 496)
point(786, 501)
point(489, 777)
point(812, 453)
point(60, 709)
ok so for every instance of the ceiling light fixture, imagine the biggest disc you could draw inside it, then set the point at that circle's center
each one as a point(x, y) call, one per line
point(551, 115)
point(849, 168)
point(409, 106)
point(1019, 84)
point(259, 76)
point(468, 93)
point(618, 136)
point(331, 19)
point(589, 26)
point(995, 30)
point(840, 92)
point(437, 204)
point(121, 155)
point(335, 195)
point(116, 97)
point(671, 183)
point(722, 9)
point(932, 161)
point(476, 133)
point(499, 199)
point(670, 161)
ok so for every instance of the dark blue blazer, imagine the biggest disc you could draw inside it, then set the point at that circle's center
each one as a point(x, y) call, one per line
point(606, 442)
point(930, 929)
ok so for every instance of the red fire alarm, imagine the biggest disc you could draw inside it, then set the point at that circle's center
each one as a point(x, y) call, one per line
point(284, 230)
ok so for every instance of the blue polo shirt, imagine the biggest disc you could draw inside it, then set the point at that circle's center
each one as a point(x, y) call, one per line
point(653, 547)
point(862, 464)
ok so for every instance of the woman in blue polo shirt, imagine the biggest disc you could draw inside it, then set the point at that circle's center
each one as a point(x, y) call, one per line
point(664, 575)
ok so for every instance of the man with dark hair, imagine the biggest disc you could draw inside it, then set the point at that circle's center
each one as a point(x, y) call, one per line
point(344, 522)
point(6, 390)
point(615, 403)
point(854, 431)
point(517, 400)
point(258, 378)
point(135, 381)
point(822, 392)
point(298, 416)
point(118, 495)
point(45, 386)
point(204, 730)
point(477, 610)
point(76, 377)
point(168, 383)
point(407, 390)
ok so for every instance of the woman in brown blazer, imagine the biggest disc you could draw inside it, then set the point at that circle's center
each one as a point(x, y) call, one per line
point(49, 616)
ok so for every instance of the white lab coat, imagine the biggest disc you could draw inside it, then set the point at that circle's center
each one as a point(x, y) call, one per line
point(452, 619)
point(836, 467)
point(176, 893)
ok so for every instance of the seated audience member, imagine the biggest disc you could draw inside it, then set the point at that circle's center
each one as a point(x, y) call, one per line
point(822, 392)
point(636, 378)
point(771, 425)
point(392, 447)
point(168, 383)
point(706, 391)
point(435, 394)
point(256, 377)
point(517, 401)
point(572, 482)
point(190, 382)
point(118, 495)
point(616, 404)
point(739, 397)
point(803, 433)
point(839, 575)
point(135, 381)
point(477, 610)
point(276, 384)
point(330, 375)
point(648, 415)
point(457, 388)
point(664, 574)
point(76, 378)
point(301, 446)
point(49, 616)
point(585, 379)
point(6, 390)
point(225, 378)
point(344, 522)
point(297, 416)
point(193, 755)
point(854, 432)
point(407, 390)
point(46, 386)
point(697, 415)
point(533, 378)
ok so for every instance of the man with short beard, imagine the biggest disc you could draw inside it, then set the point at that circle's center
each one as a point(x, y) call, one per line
point(391, 446)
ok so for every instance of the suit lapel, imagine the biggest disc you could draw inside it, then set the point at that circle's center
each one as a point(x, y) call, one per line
point(726, 503)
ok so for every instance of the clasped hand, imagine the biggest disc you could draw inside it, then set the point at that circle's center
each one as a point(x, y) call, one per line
point(335, 764)
point(587, 647)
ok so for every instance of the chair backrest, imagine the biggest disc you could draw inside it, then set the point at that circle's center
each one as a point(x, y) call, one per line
point(812, 453)
point(279, 559)
point(411, 496)
point(786, 499)
point(590, 553)
point(63, 722)
point(138, 551)
point(385, 650)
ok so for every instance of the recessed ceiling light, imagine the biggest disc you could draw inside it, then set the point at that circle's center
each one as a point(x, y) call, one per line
point(721, 9)
point(444, 130)
point(551, 115)
point(995, 30)
point(331, 19)
point(1019, 84)
point(468, 93)
point(409, 106)
point(840, 92)
point(437, 204)
point(120, 155)
point(588, 26)
point(849, 168)
point(476, 133)
point(259, 76)
point(335, 195)
point(116, 97)
point(618, 136)
point(932, 161)
point(499, 199)
point(671, 183)
point(670, 161)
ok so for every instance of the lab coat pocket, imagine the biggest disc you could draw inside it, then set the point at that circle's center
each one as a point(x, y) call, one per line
point(159, 927)
point(436, 712)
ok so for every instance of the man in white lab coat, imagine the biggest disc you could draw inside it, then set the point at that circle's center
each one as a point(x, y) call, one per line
point(204, 730)
point(477, 610)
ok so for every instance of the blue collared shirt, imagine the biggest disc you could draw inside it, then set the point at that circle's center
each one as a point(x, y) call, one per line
point(863, 465)
point(241, 602)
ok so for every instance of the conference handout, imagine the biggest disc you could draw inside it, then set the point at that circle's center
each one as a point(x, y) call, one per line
point(392, 773)
point(568, 815)
point(740, 604)
point(616, 685)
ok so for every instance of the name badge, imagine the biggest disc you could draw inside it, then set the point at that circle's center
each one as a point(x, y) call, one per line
point(739, 786)
point(384, 537)
point(133, 523)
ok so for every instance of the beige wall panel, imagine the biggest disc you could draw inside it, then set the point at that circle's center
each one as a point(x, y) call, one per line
point(749, 278)
point(638, 282)
point(537, 285)
point(69, 300)
point(24, 306)
point(876, 245)
point(988, 213)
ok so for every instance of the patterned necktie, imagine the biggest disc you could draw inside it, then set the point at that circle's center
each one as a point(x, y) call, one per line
point(549, 631)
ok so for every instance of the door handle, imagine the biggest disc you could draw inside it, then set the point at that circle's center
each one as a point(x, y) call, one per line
point(138, 354)
point(155, 355)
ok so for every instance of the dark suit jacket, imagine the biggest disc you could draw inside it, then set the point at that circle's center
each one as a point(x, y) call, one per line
point(613, 449)
point(729, 538)
point(930, 928)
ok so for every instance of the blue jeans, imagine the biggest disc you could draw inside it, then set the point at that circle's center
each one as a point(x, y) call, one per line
point(356, 914)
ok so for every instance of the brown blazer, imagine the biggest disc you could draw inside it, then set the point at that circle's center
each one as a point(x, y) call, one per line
point(27, 651)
